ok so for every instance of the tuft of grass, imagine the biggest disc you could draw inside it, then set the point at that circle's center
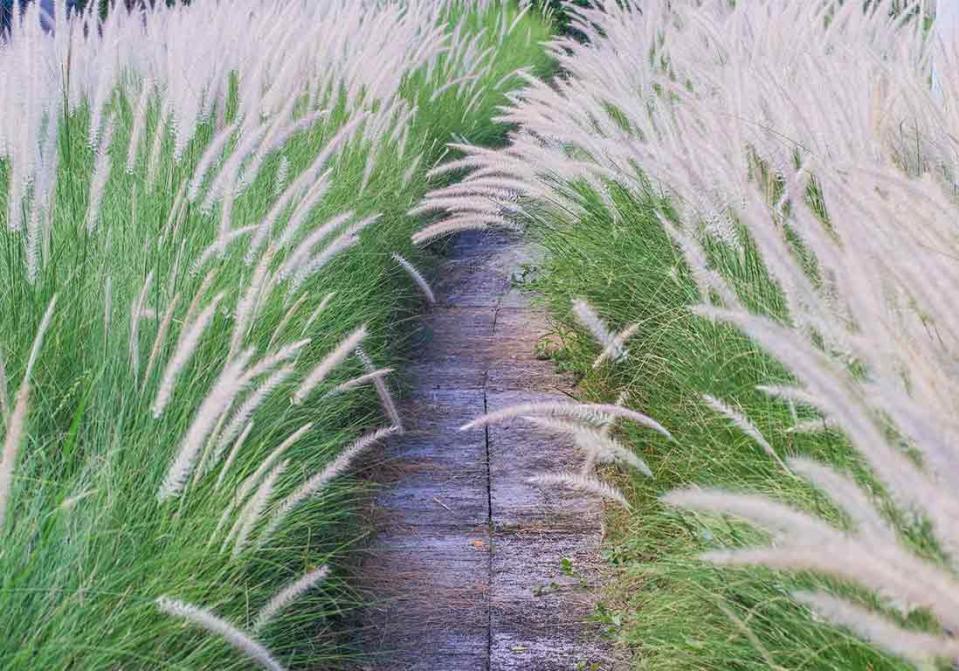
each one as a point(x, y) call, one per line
point(671, 610)
point(91, 538)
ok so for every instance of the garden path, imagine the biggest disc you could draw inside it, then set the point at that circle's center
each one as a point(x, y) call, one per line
point(473, 568)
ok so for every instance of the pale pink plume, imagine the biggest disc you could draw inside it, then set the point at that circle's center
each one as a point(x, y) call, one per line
point(382, 390)
point(593, 413)
point(221, 395)
point(288, 594)
point(205, 619)
point(186, 345)
point(319, 481)
point(329, 363)
point(416, 276)
point(582, 483)
point(16, 420)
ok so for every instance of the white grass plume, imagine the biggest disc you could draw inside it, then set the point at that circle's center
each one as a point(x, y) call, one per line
point(15, 425)
point(249, 406)
point(849, 496)
point(16, 420)
point(177, 214)
point(308, 267)
point(136, 314)
point(219, 246)
point(213, 152)
point(160, 338)
point(328, 364)
point(107, 303)
point(316, 483)
point(594, 413)
point(359, 381)
point(199, 295)
point(239, 640)
point(416, 276)
point(616, 349)
point(324, 303)
point(268, 362)
point(301, 253)
point(919, 647)
point(314, 264)
point(101, 175)
point(139, 124)
point(254, 508)
point(159, 133)
point(743, 424)
point(287, 316)
point(382, 390)
point(288, 595)
point(588, 317)
point(234, 451)
point(225, 431)
point(282, 175)
point(248, 304)
point(582, 483)
point(812, 426)
point(448, 227)
point(594, 443)
point(39, 338)
point(186, 345)
point(302, 213)
point(247, 486)
point(608, 426)
point(4, 398)
point(613, 343)
point(805, 542)
point(792, 395)
point(224, 390)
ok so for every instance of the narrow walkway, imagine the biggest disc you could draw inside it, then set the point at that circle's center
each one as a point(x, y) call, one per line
point(468, 565)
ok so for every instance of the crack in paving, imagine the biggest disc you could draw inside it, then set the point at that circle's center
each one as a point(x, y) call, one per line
point(467, 568)
point(489, 504)
point(489, 528)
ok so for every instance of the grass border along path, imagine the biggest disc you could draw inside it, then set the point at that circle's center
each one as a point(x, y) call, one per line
point(199, 209)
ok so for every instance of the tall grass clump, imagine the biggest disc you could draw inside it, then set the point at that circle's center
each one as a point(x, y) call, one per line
point(767, 191)
point(199, 211)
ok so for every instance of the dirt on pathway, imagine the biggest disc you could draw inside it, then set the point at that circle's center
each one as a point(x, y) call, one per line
point(473, 568)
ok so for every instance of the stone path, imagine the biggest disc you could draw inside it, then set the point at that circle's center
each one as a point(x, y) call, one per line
point(467, 567)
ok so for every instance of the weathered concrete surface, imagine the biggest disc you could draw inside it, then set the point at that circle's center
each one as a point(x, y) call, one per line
point(467, 568)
